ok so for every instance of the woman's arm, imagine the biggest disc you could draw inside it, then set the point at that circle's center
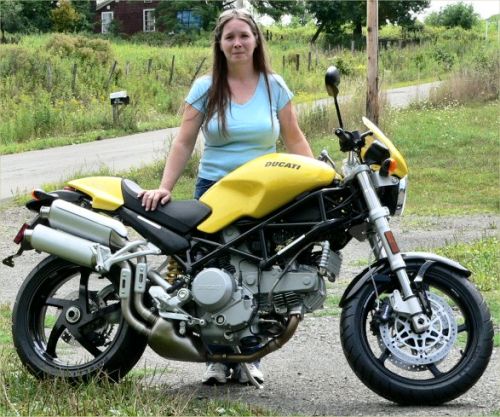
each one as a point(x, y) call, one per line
point(180, 152)
point(294, 139)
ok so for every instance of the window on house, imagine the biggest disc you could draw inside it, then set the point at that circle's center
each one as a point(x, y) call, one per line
point(149, 20)
point(106, 19)
point(188, 19)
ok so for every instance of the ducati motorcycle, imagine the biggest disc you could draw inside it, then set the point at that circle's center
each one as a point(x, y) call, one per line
point(241, 267)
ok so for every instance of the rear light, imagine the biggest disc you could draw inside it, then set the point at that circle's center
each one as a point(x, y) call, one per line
point(20, 235)
point(68, 188)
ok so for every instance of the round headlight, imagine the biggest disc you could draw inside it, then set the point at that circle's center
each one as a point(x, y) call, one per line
point(400, 206)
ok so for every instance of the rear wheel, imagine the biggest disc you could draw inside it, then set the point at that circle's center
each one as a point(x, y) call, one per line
point(67, 323)
point(430, 368)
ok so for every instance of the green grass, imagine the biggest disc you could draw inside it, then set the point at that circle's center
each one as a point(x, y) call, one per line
point(42, 108)
point(452, 154)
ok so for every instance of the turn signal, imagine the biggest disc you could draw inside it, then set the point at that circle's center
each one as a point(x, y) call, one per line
point(389, 166)
point(393, 165)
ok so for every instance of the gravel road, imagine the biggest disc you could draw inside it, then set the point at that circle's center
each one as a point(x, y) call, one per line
point(309, 375)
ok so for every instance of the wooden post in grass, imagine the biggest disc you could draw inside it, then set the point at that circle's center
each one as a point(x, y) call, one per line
point(73, 78)
point(297, 62)
point(372, 105)
point(111, 72)
point(309, 61)
point(198, 70)
point(171, 70)
point(49, 76)
point(283, 71)
point(150, 64)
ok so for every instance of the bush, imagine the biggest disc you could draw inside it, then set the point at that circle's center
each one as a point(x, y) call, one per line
point(86, 50)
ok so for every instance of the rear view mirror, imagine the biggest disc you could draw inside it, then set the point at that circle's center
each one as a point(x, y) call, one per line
point(332, 81)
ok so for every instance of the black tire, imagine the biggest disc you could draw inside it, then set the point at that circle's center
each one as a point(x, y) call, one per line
point(393, 361)
point(67, 323)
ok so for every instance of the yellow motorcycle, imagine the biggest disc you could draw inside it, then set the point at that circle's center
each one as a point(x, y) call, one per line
point(241, 267)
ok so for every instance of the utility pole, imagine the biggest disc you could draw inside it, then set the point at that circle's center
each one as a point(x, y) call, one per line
point(372, 105)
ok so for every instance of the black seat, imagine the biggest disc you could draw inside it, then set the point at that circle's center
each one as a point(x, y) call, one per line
point(180, 216)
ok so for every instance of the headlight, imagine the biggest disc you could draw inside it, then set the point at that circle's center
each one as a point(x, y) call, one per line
point(400, 206)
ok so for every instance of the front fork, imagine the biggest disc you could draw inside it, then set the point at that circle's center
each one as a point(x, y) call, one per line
point(409, 304)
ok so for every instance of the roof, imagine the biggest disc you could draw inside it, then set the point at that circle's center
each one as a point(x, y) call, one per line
point(103, 3)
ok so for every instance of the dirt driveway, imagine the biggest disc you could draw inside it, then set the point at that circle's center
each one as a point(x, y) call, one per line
point(309, 375)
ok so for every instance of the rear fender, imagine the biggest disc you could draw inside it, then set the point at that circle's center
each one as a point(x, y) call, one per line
point(380, 271)
point(46, 199)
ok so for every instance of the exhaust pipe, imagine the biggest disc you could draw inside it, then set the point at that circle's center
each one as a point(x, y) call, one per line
point(85, 223)
point(71, 248)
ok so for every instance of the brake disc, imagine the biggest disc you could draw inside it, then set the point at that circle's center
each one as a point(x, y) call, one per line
point(413, 351)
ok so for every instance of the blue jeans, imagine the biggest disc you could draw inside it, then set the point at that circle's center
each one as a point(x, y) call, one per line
point(201, 187)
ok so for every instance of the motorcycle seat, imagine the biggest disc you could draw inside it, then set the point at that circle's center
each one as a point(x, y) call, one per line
point(180, 216)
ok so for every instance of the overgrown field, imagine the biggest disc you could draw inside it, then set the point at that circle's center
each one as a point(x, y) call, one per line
point(55, 88)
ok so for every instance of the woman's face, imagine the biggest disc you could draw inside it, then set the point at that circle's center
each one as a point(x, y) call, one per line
point(238, 42)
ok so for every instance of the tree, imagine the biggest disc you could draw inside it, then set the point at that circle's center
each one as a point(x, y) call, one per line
point(64, 17)
point(86, 11)
point(277, 8)
point(37, 15)
point(10, 19)
point(454, 15)
point(332, 15)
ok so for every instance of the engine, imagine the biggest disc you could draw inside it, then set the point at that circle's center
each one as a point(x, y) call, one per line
point(251, 307)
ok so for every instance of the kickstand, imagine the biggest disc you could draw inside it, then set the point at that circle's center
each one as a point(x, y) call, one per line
point(244, 366)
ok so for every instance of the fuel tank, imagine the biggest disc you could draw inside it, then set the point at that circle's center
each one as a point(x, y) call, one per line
point(261, 186)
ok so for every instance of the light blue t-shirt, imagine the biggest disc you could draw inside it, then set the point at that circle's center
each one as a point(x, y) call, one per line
point(250, 132)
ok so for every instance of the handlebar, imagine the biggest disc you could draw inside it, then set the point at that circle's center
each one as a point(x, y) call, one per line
point(351, 141)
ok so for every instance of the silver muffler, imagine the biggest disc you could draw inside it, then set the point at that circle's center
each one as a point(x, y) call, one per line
point(85, 223)
point(71, 248)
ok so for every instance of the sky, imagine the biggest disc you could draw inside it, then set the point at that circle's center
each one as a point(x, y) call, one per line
point(485, 8)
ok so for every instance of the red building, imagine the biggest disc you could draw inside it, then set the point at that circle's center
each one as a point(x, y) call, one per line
point(131, 16)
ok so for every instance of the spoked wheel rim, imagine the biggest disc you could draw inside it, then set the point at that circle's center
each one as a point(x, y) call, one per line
point(74, 318)
point(433, 356)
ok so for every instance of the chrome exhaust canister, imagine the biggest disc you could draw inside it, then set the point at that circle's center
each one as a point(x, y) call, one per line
point(71, 248)
point(85, 223)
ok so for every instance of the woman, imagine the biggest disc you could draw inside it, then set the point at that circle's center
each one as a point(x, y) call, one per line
point(242, 108)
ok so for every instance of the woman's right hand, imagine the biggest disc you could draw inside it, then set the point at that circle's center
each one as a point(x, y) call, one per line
point(151, 198)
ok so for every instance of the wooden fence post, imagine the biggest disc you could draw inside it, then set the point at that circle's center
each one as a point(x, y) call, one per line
point(49, 76)
point(297, 62)
point(171, 70)
point(372, 104)
point(127, 68)
point(150, 64)
point(111, 72)
point(73, 78)
point(309, 59)
point(198, 70)
point(283, 72)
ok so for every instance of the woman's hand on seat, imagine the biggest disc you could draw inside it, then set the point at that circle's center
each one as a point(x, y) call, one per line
point(151, 198)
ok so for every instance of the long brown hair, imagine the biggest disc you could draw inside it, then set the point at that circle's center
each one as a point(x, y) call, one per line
point(219, 94)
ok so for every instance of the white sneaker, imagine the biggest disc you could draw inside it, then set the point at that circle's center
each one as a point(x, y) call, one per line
point(216, 373)
point(254, 369)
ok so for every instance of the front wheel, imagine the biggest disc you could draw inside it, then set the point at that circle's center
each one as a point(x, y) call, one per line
point(67, 323)
point(430, 368)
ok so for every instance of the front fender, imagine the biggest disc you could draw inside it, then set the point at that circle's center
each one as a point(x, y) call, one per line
point(380, 271)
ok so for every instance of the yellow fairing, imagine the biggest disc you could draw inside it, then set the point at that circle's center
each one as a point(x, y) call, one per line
point(106, 192)
point(261, 186)
point(402, 169)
